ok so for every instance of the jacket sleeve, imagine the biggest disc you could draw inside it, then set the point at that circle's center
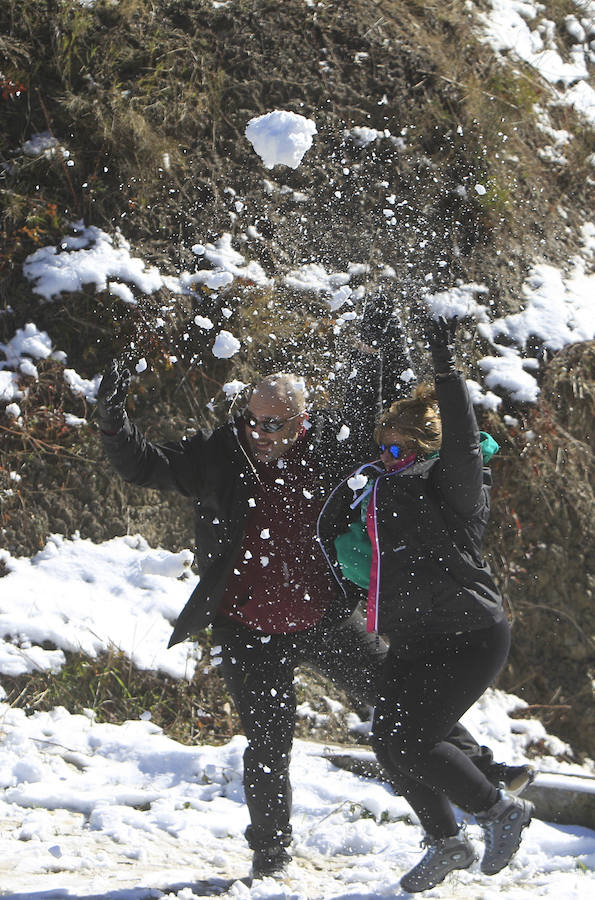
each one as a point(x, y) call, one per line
point(395, 361)
point(362, 403)
point(171, 466)
point(460, 468)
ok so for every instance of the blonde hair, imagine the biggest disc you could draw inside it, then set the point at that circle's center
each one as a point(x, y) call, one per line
point(416, 419)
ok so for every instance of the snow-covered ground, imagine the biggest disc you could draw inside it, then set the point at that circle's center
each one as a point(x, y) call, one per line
point(91, 810)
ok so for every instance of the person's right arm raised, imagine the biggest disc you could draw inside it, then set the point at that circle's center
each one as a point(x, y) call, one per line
point(174, 465)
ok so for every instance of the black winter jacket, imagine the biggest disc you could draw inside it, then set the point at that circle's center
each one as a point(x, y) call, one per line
point(214, 470)
point(430, 521)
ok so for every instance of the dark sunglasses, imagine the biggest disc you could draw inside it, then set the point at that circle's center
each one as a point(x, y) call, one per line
point(393, 449)
point(268, 425)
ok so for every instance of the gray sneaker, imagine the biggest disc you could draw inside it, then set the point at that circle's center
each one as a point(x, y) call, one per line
point(442, 856)
point(502, 826)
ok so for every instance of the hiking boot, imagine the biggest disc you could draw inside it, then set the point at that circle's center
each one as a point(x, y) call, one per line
point(512, 779)
point(502, 826)
point(270, 863)
point(442, 856)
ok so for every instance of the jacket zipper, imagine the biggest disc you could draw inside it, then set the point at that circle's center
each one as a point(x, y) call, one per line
point(376, 542)
point(376, 599)
point(248, 460)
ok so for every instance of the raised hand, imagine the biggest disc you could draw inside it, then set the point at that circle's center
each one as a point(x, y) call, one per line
point(111, 398)
point(440, 334)
point(378, 321)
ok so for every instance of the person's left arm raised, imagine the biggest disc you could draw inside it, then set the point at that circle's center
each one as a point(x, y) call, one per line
point(461, 465)
point(381, 339)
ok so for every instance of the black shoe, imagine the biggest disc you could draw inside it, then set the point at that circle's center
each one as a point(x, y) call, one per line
point(270, 863)
point(513, 779)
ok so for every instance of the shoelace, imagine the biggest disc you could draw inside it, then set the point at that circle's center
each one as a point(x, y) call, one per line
point(427, 843)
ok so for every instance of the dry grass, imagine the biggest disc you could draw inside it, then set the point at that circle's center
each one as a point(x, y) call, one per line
point(190, 712)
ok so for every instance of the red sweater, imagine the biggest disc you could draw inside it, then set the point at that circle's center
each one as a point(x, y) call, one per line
point(281, 582)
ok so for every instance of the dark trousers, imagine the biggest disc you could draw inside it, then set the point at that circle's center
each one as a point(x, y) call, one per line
point(420, 700)
point(259, 673)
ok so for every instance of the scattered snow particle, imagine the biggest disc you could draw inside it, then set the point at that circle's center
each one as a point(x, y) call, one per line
point(226, 345)
point(203, 322)
point(362, 135)
point(357, 482)
point(232, 388)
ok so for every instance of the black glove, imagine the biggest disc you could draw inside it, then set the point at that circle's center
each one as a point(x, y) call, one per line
point(440, 334)
point(111, 398)
point(378, 321)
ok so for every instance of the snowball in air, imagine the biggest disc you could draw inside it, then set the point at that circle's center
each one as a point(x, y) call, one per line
point(357, 482)
point(141, 365)
point(479, 189)
point(281, 137)
point(343, 433)
point(226, 345)
point(232, 388)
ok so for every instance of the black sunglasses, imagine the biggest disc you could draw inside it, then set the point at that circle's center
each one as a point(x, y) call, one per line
point(393, 449)
point(268, 425)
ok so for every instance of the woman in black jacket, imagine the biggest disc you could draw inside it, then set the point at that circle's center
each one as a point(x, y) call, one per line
point(431, 592)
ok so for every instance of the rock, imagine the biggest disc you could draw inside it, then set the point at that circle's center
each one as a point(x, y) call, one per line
point(559, 798)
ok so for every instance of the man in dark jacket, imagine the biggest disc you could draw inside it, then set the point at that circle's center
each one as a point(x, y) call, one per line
point(258, 484)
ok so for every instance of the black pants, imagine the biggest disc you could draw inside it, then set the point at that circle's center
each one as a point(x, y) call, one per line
point(259, 672)
point(420, 700)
